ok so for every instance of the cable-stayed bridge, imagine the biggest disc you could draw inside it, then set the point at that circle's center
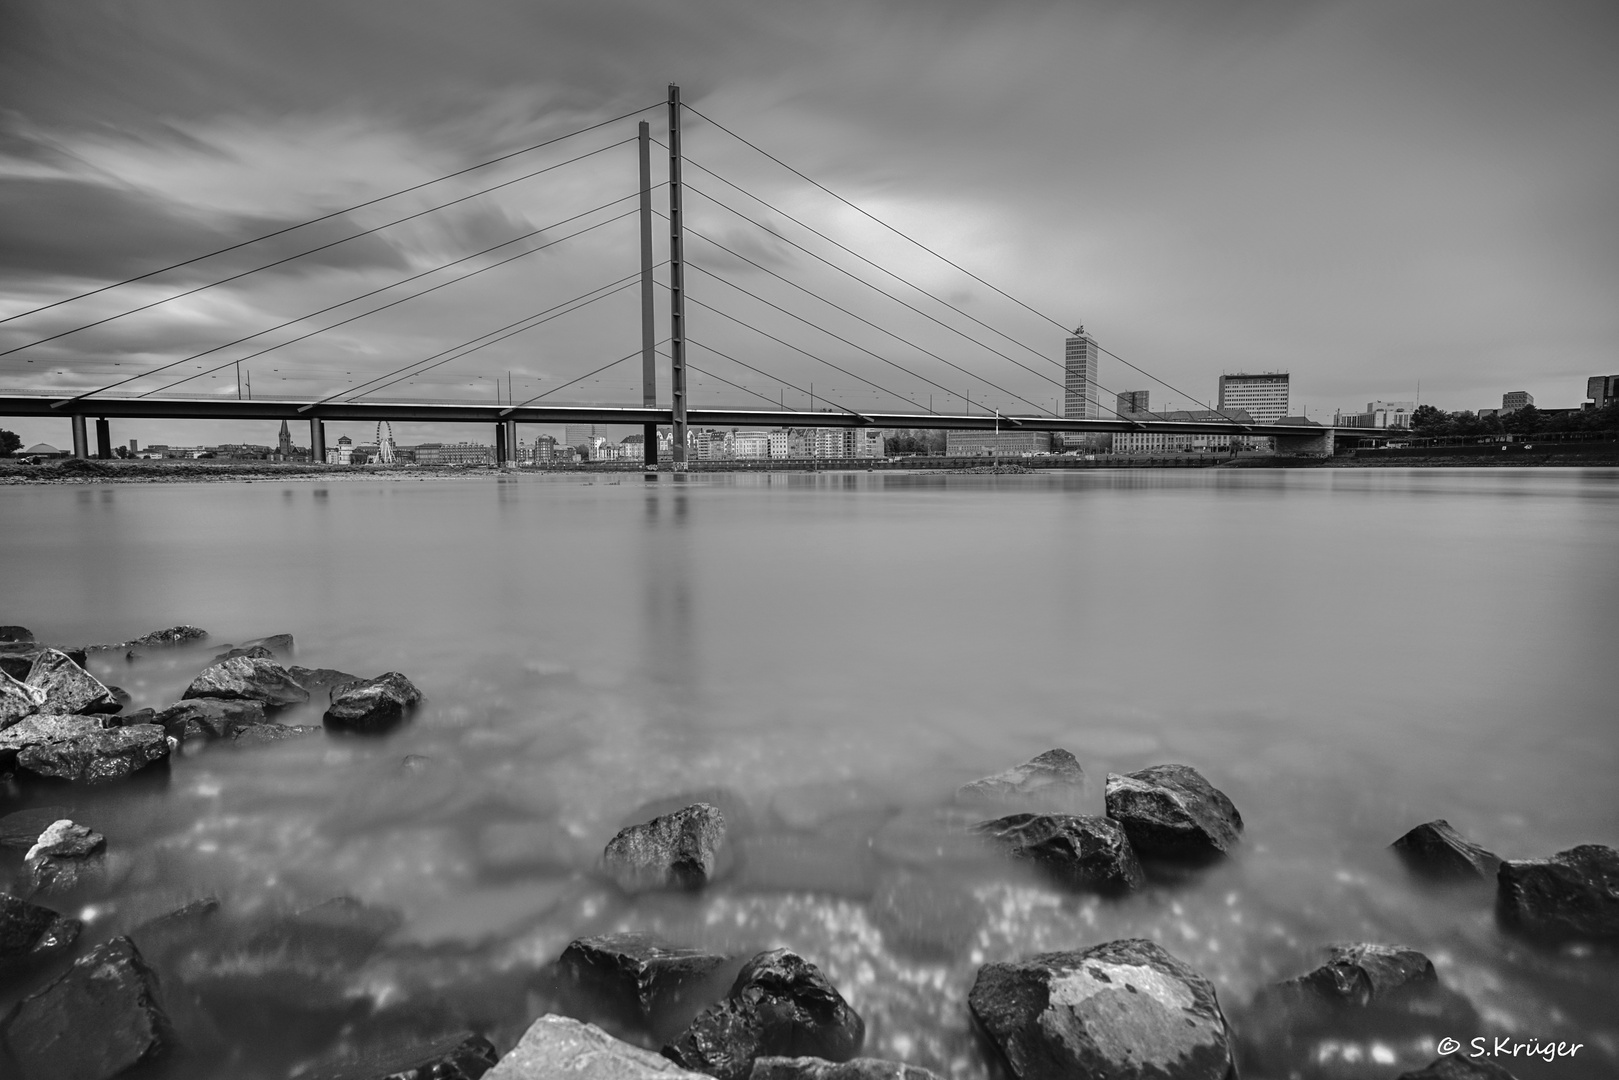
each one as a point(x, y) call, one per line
point(896, 349)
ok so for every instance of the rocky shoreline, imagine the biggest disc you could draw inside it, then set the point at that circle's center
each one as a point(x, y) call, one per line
point(1118, 1009)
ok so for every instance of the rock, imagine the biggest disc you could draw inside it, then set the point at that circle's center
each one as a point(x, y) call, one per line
point(174, 635)
point(79, 748)
point(1081, 852)
point(1459, 1068)
point(68, 688)
point(320, 680)
point(1436, 850)
point(925, 916)
point(1574, 895)
point(638, 978)
point(1170, 812)
point(280, 644)
point(15, 661)
point(1361, 974)
point(811, 1068)
point(17, 700)
point(62, 839)
point(555, 1046)
point(121, 696)
point(1051, 780)
point(249, 679)
point(371, 705)
point(16, 634)
point(780, 1006)
point(1122, 1009)
point(462, 1056)
point(264, 734)
point(679, 850)
point(96, 1021)
point(21, 830)
point(252, 652)
point(29, 932)
point(210, 718)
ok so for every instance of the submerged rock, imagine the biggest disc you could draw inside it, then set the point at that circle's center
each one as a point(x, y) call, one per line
point(29, 932)
point(812, 1068)
point(678, 850)
point(1361, 974)
point(265, 734)
point(67, 687)
point(371, 705)
point(79, 748)
point(780, 1006)
point(210, 718)
point(555, 1046)
point(1170, 812)
point(174, 635)
point(252, 652)
point(249, 679)
point(1053, 779)
point(319, 680)
point(637, 978)
point(96, 1021)
point(462, 1056)
point(1436, 850)
point(1122, 1010)
point(17, 700)
point(1574, 895)
point(1081, 852)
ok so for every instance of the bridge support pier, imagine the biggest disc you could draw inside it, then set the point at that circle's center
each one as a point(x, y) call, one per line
point(502, 455)
point(103, 439)
point(81, 438)
point(1311, 444)
point(317, 441)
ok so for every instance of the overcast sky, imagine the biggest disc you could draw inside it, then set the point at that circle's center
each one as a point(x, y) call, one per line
point(1367, 195)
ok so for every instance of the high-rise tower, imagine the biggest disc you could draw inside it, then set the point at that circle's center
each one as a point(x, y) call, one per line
point(1080, 398)
point(1262, 397)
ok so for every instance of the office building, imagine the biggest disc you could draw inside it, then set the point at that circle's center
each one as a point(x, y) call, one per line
point(579, 434)
point(1378, 414)
point(1162, 442)
point(1262, 397)
point(1014, 443)
point(1132, 401)
point(751, 445)
point(1603, 390)
point(1517, 399)
point(1080, 398)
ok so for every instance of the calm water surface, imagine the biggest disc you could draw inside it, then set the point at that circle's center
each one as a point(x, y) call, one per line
point(1345, 653)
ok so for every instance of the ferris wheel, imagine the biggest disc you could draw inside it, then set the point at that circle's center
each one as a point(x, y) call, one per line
point(385, 442)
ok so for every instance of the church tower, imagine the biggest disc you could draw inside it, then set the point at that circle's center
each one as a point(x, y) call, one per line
point(284, 446)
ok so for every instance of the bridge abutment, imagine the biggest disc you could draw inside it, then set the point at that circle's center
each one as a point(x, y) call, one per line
point(1313, 444)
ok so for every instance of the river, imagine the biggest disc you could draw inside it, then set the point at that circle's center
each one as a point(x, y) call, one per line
point(1345, 653)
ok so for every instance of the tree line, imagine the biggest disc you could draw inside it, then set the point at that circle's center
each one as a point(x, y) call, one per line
point(1428, 421)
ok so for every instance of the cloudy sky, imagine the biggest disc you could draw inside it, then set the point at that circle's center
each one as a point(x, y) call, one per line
point(1365, 194)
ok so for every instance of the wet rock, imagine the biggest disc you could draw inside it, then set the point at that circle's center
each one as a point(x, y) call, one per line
point(1051, 780)
point(121, 696)
point(16, 660)
point(462, 1056)
point(210, 718)
point(174, 635)
point(811, 1068)
point(555, 1046)
point(21, 830)
point(1170, 812)
point(1459, 1068)
point(638, 979)
point(678, 850)
point(16, 634)
point(780, 1006)
point(280, 644)
point(1435, 850)
point(79, 748)
point(98, 1020)
point(1572, 896)
point(17, 700)
point(320, 680)
point(1081, 852)
point(1366, 999)
point(29, 932)
point(249, 679)
point(68, 688)
point(1122, 1009)
point(924, 916)
point(252, 652)
point(64, 839)
point(265, 734)
point(371, 705)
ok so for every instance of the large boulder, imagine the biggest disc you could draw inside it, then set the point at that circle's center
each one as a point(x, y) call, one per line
point(248, 678)
point(29, 932)
point(371, 705)
point(1171, 813)
point(17, 700)
point(555, 1046)
point(679, 850)
point(638, 979)
point(1080, 852)
point(210, 718)
point(67, 687)
point(1051, 780)
point(79, 748)
point(1122, 1010)
point(96, 1021)
point(780, 1006)
point(1436, 850)
point(810, 1068)
point(1574, 895)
